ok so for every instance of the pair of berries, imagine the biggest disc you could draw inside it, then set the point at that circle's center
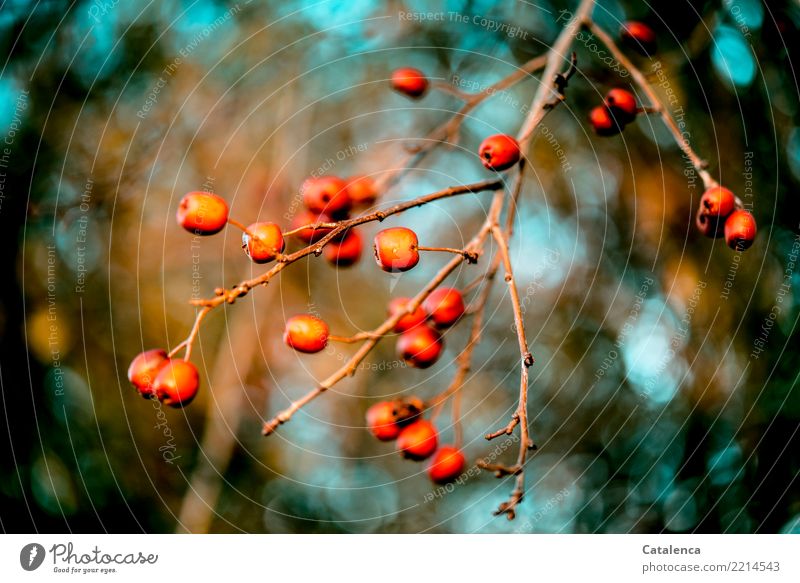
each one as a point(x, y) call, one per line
point(718, 216)
point(417, 438)
point(420, 344)
point(155, 375)
point(618, 110)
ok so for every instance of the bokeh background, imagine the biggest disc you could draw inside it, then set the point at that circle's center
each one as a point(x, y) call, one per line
point(664, 395)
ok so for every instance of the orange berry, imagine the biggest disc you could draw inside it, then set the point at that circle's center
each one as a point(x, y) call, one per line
point(499, 152)
point(345, 252)
point(177, 383)
point(410, 82)
point(445, 306)
point(326, 194)
point(740, 230)
point(420, 347)
point(418, 440)
point(408, 321)
point(396, 249)
point(382, 420)
point(263, 242)
point(447, 464)
point(144, 368)
point(362, 190)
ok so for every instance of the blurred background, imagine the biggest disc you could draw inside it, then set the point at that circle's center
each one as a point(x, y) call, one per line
point(664, 395)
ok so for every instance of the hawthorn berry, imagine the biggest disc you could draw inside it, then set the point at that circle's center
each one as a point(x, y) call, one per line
point(202, 213)
point(263, 242)
point(603, 122)
point(499, 152)
point(740, 230)
point(639, 37)
point(621, 103)
point(362, 190)
point(144, 368)
point(310, 235)
point(345, 252)
point(326, 194)
point(306, 333)
point(447, 464)
point(382, 420)
point(418, 440)
point(396, 249)
point(408, 321)
point(420, 347)
point(445, 306)
point(177, 383)
point(410, 82)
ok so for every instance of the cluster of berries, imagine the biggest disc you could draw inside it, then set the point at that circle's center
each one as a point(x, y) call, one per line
point(415, 438)
point(172, 381)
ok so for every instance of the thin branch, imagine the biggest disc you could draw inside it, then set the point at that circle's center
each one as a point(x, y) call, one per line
point(656, 105)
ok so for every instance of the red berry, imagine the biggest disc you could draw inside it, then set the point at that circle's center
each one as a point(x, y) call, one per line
point(740, 230)
point(202, 213)
point(622, 105)
point(603, 123)
point(499, 152)
point(144, 368)
point(326, 194)
point(446, 465)
point(396, 249)
point(409, 81)
point(444, 306)
point(304, 218)
point(639, 37)
point(177, 383)
point(306, 333)
point(382, 421)
point(263, 242)
point(408, 321)
point(345, 252)
point(362, 190)
point(418, 440)
point(420, 347)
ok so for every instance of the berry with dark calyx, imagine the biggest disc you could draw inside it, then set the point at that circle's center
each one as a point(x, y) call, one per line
point(382, 420)
point(202, 213)
point(144, 368)
point(326, 194)
point(740, 230)
point(345, 252)
point(396, 249)
point(418, 440)
point(310, 235)
point(603, 122)
point(445, 306)
point(420, 347)
point(446, 465)
point(306, 333)
point(639, 37)
point(499, 152)
point(177, 383)
point(362, 190)
point(622, 105)
point(408, 321)
point(263, 242)
point(410, 82)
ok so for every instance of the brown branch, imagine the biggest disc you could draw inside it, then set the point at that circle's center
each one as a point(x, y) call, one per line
point(350, 367)
point(655, 105)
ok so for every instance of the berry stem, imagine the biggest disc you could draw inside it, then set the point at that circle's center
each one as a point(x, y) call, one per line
point(470, 256)
point(361, 336)
point(239, 225)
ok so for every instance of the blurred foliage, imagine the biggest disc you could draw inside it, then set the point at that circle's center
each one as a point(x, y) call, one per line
point(664, 396)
